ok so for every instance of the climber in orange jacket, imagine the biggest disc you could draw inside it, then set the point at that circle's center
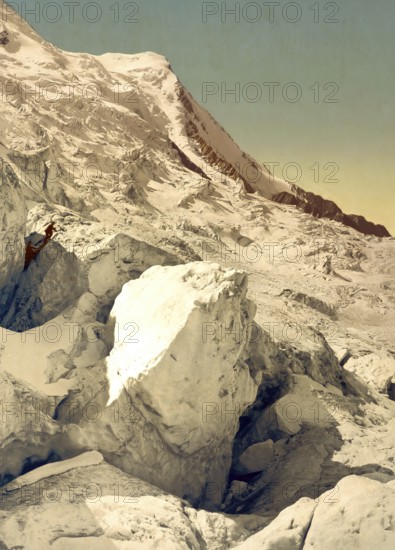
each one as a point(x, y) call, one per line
point(32, 251)
point(49, 231)
point(30, 254)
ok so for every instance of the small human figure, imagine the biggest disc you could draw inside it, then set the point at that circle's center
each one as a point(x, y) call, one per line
point(49, 231)
point(29, 254)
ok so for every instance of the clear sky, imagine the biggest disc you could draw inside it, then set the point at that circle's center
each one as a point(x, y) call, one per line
point(337, 118)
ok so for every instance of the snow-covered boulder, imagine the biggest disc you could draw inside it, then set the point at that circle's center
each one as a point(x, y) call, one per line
point(85, 503)
point(299, 406)
point(86, 343)
point(45, 356)
point(120, 258)
point(286, 532)
point(192, 323)
point(177, 374)
point(356, 514)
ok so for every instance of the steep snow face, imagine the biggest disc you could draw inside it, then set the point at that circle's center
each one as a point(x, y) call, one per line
point(53, 282)
point(201, 139)
point(12, 230)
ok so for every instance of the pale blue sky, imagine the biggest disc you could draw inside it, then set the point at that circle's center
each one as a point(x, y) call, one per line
point(355, 53)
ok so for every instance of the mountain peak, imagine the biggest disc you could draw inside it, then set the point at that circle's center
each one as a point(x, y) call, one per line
point(78, 97)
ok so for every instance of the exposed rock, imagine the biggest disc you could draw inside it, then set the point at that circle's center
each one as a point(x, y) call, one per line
point(256, 458)
point(310, 301)
point(322, 208)
point(391, 389)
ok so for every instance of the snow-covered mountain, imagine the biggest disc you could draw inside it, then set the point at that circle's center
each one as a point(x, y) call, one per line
point(202, 355)
point(119, 119)
point(87, 117)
